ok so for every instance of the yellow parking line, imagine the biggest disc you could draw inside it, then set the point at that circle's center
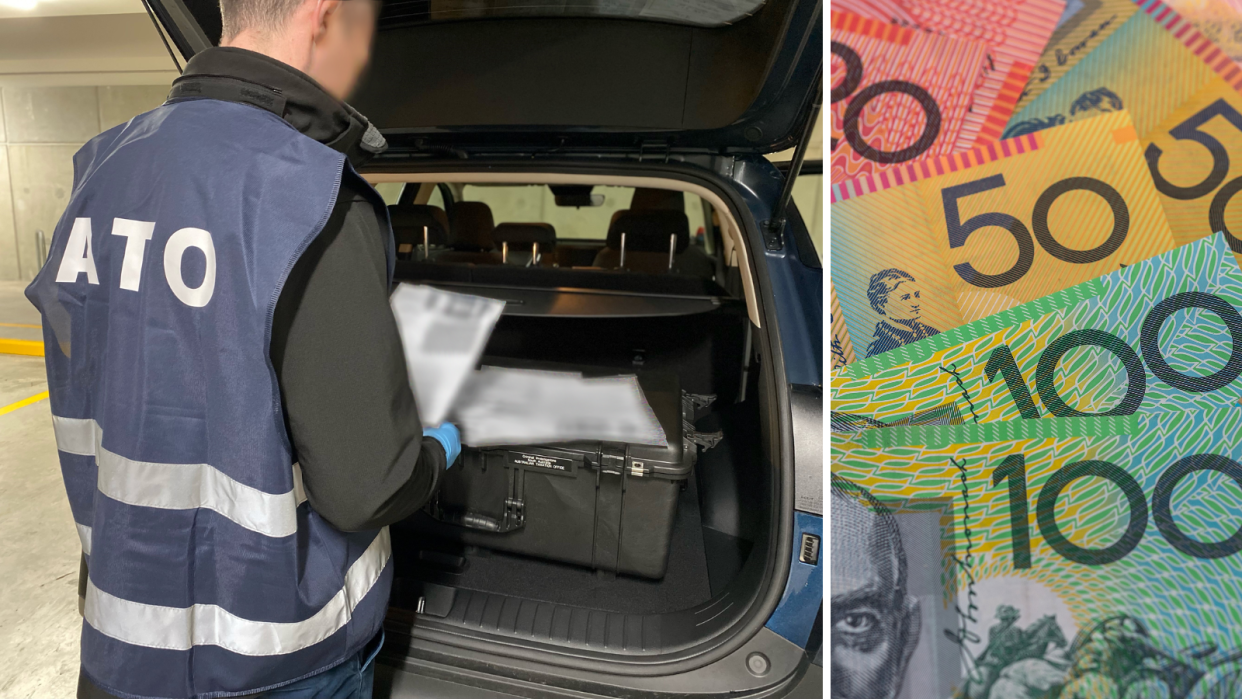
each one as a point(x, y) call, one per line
point(30, 348)
point(20, 325)
point(23, 403)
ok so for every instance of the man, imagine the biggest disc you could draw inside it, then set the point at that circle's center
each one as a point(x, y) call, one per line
point(232, 407)
point(1005, 639)
point(875, 624)
point(894, 294)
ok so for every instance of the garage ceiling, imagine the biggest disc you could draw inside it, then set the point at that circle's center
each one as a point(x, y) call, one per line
point(80, 42)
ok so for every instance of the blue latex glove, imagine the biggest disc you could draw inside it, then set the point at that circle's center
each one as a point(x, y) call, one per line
point(448, 437)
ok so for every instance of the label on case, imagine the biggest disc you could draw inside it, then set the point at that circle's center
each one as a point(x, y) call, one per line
point(555, 464)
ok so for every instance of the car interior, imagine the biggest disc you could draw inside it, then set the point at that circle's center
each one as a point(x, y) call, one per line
point(626, 277)
point(635, 229)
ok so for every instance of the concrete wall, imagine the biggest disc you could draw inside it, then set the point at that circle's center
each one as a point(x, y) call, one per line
point(40, 130)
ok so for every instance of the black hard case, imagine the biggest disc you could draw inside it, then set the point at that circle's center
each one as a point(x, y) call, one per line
point(607, 506)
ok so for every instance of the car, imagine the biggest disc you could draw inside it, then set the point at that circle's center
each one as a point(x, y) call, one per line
point(519, 135)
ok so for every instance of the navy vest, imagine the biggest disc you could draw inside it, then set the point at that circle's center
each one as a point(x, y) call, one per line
point(210, 574)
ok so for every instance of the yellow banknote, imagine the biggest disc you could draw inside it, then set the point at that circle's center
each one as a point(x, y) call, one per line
point(1084, 26)
point(842, 348)
point(1149, 66)
point(933, 245)
point(1195, 157)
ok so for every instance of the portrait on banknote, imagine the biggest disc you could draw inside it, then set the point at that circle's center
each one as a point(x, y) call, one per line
point(1089, 104)
point(875, 623)
point(898, 298)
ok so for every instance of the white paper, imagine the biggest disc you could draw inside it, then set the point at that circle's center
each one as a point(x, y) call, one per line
point(444, 335)
point(501, 406)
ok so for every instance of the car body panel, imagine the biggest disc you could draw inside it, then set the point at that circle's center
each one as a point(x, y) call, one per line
point(779, 668)
point(798, 288)
point(559, 83)
point(804, 589)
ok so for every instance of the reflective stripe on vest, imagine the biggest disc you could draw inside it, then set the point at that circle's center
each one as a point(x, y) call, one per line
point(208, 624)
point(181, 486)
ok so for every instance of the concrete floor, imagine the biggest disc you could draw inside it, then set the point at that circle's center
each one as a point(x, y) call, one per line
point(39, 549)
point(17, 314)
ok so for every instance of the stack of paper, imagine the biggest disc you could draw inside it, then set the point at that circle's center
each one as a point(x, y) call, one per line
point(444, 335)
point(521, 406)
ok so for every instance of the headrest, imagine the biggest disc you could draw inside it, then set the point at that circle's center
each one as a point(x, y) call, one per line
point(649, 199)
point(408, 221)
point(520, 236)
point(648, 231)
point(472, 226)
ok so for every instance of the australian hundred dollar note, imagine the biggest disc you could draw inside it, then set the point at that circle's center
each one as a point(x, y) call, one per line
point(932, 245)
point(1078, 558)
point(898, 94)
point(1158, 337)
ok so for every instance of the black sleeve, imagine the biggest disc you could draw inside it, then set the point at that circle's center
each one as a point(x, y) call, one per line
point(347, 398)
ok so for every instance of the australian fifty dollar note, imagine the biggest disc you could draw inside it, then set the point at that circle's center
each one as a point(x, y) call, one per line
point(925, 248)
point(1078, 558)
point(1157, 337)
point(1182, 91)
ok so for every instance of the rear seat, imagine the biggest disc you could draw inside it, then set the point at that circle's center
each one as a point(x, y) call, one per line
point(648, 234)
point(470, 236)
point(408, 221)
point(521, 238)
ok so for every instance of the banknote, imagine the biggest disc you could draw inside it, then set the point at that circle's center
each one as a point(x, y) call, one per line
point(1219, 20)
point(1195, 158)
point(1176, 60)
point(842, 350)
point(1076, 558)
point(931, 246)
point(1158, 337)
point(1015, 32)
point(898, 94)
point(1083, 26)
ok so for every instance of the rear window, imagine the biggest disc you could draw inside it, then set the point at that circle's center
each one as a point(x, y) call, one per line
point(538, 203)
point(566, 227)
point(709, 13)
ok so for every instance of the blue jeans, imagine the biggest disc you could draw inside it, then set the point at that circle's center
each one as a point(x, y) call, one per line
point(351, 679)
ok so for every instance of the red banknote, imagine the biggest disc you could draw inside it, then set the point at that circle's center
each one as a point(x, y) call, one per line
point(898, 94)
point(1015, 32)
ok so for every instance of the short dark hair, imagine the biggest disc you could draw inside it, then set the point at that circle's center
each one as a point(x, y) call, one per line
point(1096, 99)
point(1023, 128)
point(239, 15)
point(882, 283)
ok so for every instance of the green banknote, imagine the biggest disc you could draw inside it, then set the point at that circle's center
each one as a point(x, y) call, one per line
point(1075, 558)
point(1157, 337)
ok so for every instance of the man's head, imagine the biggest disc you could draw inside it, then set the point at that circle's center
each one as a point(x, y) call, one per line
point(895, 293)
point(875, 624)
point(1007, 612)
point(329, 40)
